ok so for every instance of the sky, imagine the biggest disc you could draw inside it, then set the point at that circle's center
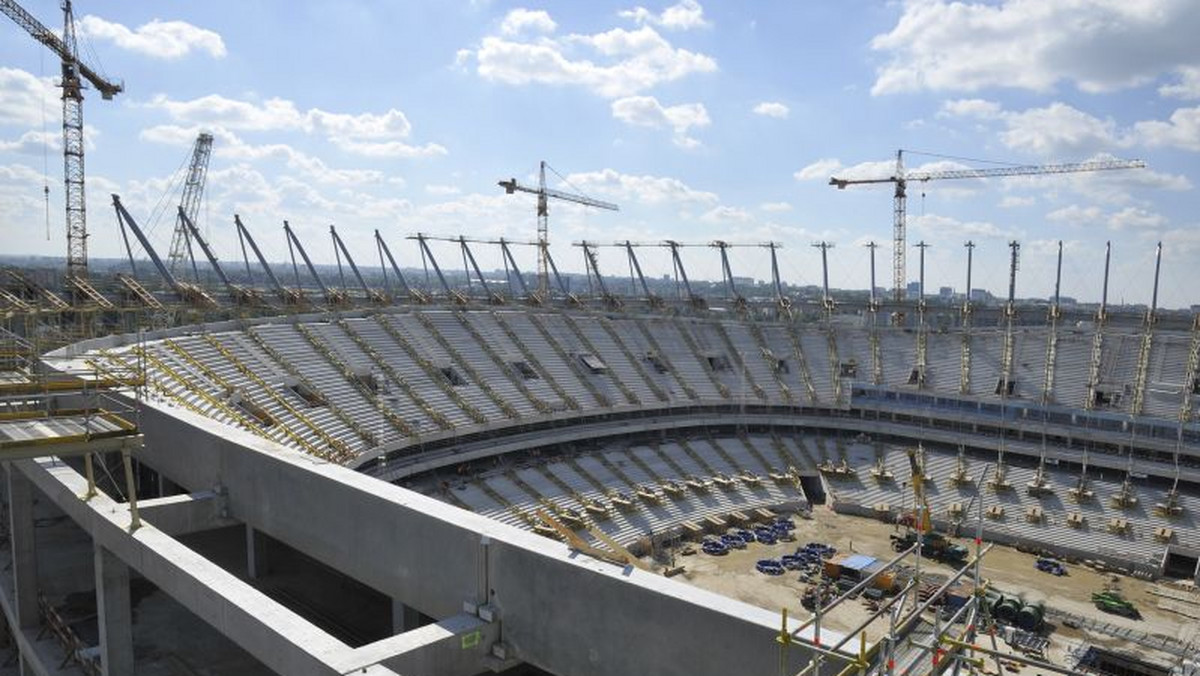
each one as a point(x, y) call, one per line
point(702, 121)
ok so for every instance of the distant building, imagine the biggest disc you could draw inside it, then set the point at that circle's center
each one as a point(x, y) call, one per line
point(946, 292)
point(914, 289)
point(980, 295)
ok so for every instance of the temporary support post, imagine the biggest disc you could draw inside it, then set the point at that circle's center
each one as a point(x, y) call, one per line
point(128, 248)
point(1103, 314)
point(487, 290)
point(874, 302)
point(554, 271)
point(726, 271)
point(124, 217)
point(337, 241)
point(826, 299)
point(395, 268)
point(512, 263)
point(592, 267)
point(680, 271)
point(424, 244)
point(637, 267)
point(781, 300)
point(1052, 332)
point(970, 259)
point(208, 252)
point(1013, 266)
point(921, 273)
point(1098, 335)
point(312, 270)
point(262, 260)
point(1058, 278)
point(1154, 296)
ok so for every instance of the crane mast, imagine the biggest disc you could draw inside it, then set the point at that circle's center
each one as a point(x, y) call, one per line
point(901, 179)
point(543, 218)
point(74, 74)
point(189, 204)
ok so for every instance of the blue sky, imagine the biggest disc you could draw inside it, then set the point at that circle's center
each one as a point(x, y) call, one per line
point(702, 120)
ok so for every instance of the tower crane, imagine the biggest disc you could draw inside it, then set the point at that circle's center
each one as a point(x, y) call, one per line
point(73, 75)
point(901, 179)
point(543, 215)
point(189, 204)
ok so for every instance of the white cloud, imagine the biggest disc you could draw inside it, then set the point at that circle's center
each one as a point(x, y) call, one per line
point(1097, 45)
point(725, 214)
point(772, 109)
point(159, 39)
point(685, 15)
point(775, 207)
point(274, 114)
point(649, 190)
point(229, 146)
point(1076, 215)
point(970, 108)
point(820, 170)
point(1188, 86)
point(1135, 217)
point(366, 134)
point(35, 142)
point(1181, 131)
point(1016, 201)
point(633, 61)
point(25, 98)
point(521, 19)
point(646, 111)
point(442, 189)
point(1091, 216)
point(934, 226)
point(1058, 130)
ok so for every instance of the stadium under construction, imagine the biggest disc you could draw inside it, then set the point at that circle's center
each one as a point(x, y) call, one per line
point(496, 473)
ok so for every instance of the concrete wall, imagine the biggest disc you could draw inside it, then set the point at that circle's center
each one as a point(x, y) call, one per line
point(565, 613)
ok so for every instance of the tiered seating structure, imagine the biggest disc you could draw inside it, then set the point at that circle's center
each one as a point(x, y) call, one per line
point(585, 490)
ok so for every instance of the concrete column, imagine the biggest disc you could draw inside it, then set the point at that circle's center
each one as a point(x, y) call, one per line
point(115, 614)
point(24, 548)
point(257, 563)
point(404, 617)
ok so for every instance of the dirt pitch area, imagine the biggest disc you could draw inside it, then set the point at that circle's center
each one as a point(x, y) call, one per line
point(1009, 571)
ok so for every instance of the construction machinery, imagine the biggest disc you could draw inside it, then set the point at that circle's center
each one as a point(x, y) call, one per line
point(919, 526)
point(189, 203)
point(901, 179)
point(74, 74)
point(1112, 602)
point(543, 218)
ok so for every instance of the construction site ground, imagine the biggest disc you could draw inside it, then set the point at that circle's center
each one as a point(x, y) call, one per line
point(1007, 570)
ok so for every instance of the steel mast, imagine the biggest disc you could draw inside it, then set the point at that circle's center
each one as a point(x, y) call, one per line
point(73, 75)
point(189, 204)
point(543, 215)
point(901, 180)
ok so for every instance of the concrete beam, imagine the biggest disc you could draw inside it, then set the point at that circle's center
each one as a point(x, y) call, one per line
point(115, 616)
point(279, 638)
point(457, 646)
point(178, 515)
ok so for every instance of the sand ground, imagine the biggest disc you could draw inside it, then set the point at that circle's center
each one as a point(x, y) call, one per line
point(1009, 571)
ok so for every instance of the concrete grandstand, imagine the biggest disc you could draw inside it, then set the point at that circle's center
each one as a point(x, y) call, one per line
point(288, 437)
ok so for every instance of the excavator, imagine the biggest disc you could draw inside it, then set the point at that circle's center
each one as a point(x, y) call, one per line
point(919, 526)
